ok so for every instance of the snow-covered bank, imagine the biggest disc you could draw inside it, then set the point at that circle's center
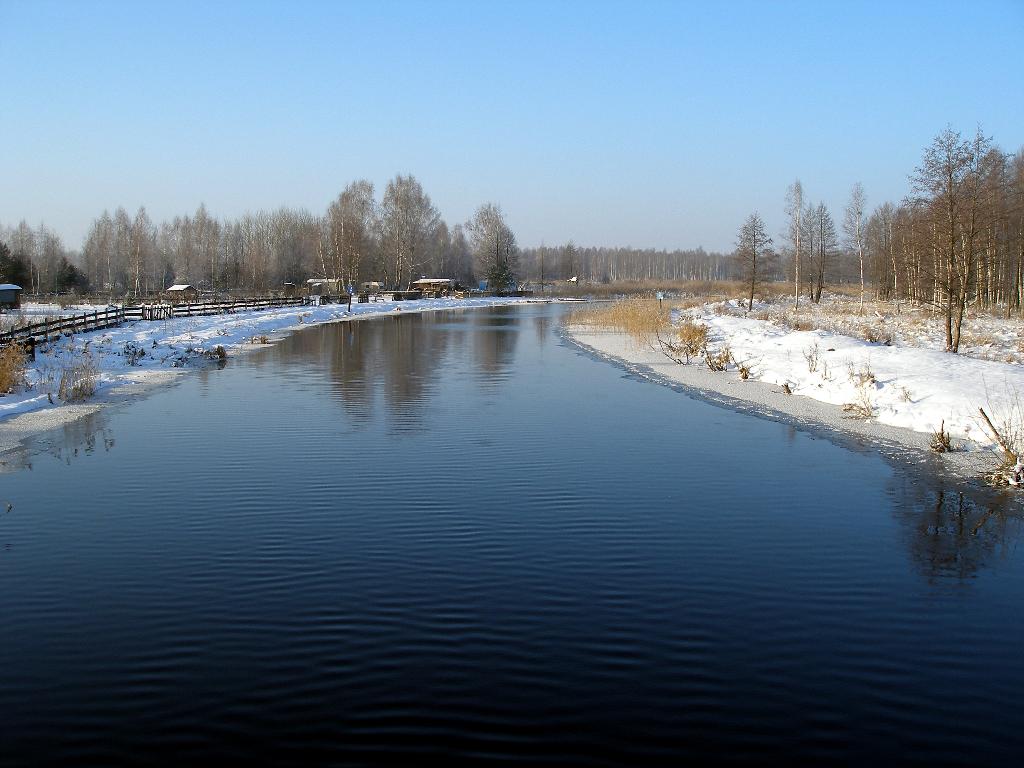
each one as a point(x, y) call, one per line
point(909, 391)
point(145, 353)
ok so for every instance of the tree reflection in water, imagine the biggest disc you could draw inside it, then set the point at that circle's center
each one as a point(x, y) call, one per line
point(67, 443)
point(954, 532)
point(397, 362)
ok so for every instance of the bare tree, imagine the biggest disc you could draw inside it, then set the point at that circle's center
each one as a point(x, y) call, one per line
point(142, 244)
point(795, 210)
point(948, 185)
point(492, 242)
point(408, 219)
point(822, 234)
point(853, 228)
point(753, 250)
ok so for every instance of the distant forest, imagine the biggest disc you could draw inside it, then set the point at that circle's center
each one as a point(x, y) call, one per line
point(959, 233)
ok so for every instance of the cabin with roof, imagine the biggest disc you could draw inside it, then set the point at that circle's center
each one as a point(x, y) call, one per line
point(181, 293)
point(10, 296)
point(325, 286)
point(433, 287)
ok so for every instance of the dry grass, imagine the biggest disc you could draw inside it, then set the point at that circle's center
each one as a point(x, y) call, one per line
point(718, 361)
point(12, 368)
point(876, 334)
point(691, 340)
point(862, 375)
point(977, 339)
point(78, 380)
point(941, 441)
point(863, 406)
point(811, 355)
point(643, 320)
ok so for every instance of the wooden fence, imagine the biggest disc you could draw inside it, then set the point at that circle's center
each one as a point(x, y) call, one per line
point(114, 316)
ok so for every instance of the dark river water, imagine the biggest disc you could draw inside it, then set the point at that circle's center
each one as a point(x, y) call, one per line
point(456, 536)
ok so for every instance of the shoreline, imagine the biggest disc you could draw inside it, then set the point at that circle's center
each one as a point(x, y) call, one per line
point(726, 389)
point(122, 383)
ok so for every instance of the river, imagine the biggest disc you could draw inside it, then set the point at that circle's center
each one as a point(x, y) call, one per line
point(457, 535)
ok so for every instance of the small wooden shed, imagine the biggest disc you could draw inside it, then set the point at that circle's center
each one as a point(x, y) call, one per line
point(325, 286)
point(181, 292)
point(433, 287)
point(10, 296)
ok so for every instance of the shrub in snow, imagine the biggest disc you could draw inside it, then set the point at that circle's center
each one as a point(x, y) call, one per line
point(78, 380)
point(718, 361)
point(941, 442)
point(811, 355)
point(133, 352)
point(12, 368)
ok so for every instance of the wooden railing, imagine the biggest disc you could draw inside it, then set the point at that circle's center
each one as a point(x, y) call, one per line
point(114, 316)
point(89, 321)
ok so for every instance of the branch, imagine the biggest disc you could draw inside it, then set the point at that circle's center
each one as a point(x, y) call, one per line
point(1009, 454)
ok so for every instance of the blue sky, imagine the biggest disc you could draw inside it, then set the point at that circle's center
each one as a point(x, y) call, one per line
point(646, 124)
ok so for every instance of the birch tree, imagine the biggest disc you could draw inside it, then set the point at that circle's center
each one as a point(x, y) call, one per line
point(408, 219)
point(853, 228)
point(795, 210)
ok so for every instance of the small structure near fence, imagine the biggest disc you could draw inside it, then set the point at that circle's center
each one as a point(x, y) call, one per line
point(180, 293)
point(433, 287)
point(10, 296)
point(324, 286)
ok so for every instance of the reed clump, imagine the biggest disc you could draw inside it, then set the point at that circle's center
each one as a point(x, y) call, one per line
point(642, 319)
point(691, 341)
point(12, 368)
point(78, 380)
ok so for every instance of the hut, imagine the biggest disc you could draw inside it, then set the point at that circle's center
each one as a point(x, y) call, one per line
point(181, 293)
point(432, 287)
point(324, 287)
point(10, 296)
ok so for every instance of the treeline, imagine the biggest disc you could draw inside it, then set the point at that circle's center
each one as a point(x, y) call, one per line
point(612, 265)
point(955, 241)
point(36, 259)
point(395, 239)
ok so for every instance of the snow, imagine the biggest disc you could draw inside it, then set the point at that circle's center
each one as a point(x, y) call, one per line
point(920, 388)
point(144, 351)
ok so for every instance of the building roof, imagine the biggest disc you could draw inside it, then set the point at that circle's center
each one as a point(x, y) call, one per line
point(9, 287)
point(181, 287)
point(432, 280)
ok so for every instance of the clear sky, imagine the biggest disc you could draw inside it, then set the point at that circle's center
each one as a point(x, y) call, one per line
point(636, 123)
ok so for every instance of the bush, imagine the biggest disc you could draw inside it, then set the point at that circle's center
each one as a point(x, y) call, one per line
point(718, 361)
point(811, 355)
point(78, 381)
point(941, 441)
point(691, 341)
point(133, 352)
point(12, 368)
point(876, 335)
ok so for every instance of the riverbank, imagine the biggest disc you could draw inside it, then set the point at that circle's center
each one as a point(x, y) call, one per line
point(905, 394)
point(141, 355)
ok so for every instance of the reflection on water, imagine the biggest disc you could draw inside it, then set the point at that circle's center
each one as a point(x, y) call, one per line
point(396, 362)
point(452, 535)
point(71, 441)
point(954, 532)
